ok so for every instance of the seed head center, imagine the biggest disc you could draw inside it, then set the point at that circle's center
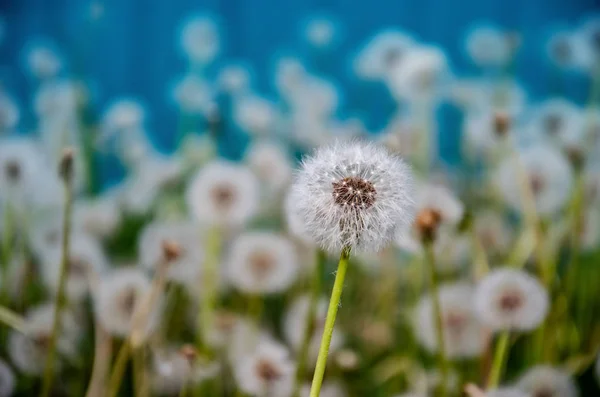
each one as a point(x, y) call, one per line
point(354, 192)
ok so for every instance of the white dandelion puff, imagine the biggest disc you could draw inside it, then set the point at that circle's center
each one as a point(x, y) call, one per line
point(200, 39)
point(98, 217)
point(7, 380)
point(234, 79)
point(381, 54)
point(493, 231)
point(289, 76)
point(223, 193)
point(438, 197)
point(488, 46)
point(464, 335)
point(546, 381)
point(320, 32)
point(353, 195)
point(254, 115)
point(509, 299)
point(262, 262)
point(44, 61)
point(193, 95)
point(9, 113)
point(271, 164)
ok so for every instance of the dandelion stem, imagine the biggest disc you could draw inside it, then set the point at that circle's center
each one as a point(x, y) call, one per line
point(439, 326)
point(119, 369)
point(6, 252)
point(310, 320)
point(12, 319)
point(139, 375)
point(208, 292)
point(61, 298)
point(500, 356)
point(334, 304)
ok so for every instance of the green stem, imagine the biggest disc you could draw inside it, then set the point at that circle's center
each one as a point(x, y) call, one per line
point(208, 292)
point(116, 376)
point(310, 321)
point(439, 325)
point(12, 319)
point(500, 356)
point(334, 304)
point(6, 252)
point(139, 371)
point(61, 298)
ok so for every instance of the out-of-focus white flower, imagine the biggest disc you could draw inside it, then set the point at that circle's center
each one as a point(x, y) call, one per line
point(254, 115)
point(320, 32)
point(86, 255)
point(381, 54)
point(509, 299)
point(43, 61)
point(420, 75)
point(492, 231)
point(464, 335)
point(9, 113)
point(271, 164)
point(28, 351)
point(506, 392)
point(20, 163)
point(193, 95)
point(223, 193)
point(187, 267)
point(489, 47)
point(353, 195)
point(482, 135)
point(505, 96)
point(546, 381)
point(234, 79)
point(294, 222)
point(7, 379)
point(441, 199)
point(119, 295)
point(123, 115)
point(401, 135)
point(547, 172)
point(289, 76)
point(310, 131)
point(98, 217)
point(294, 328)
point(330, 388)
point(262, 263)
point(558, 120)
point(315, 97)
point(588, 34)
point(565, 49)
point(200, 39)
point(266, 371)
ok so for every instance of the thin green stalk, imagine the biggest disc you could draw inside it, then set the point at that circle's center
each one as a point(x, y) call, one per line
point(61, 298)
point(116, 376)
point(500, 356)
point(12, 319)
point(208, 292)
point(437, 309)
point(310, 321)
point(139, 377)
point(6, 252)
point(334, 304)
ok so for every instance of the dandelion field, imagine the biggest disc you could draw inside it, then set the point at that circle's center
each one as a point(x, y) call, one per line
point(326, 257)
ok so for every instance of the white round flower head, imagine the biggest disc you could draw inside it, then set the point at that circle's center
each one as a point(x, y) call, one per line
point(98, 217)
point(565, 49)
point(271, 164)
point(7, 380)
point(558, 120)
point(43, 61)
point(492, 231)
point(509, 299)
point(353, 195)
point(320, 32)
point(170, 371)
point(315, 97)
point(546, 381)
point(86, 256)
point(234, 79)
point(268, 370)
point(589, 33)
point(28, 351)
point(329, 388)
point(489, 47)
point(254, 115)
point(482, 135)
point(506, 392)
point(402, 135)
point(223, 193)
point(464, 335)
point(9, 113)
point(294, 222)
point(453, 250)
point(119, 294)
point(123, 115)
point(294, 327)
point(420, 74)
point(193, 95)
point(187, 267)
point(20, 163)
point(549, 175)
point(441, 199)
point(289, 76)
point(200, 39)
point(262, 263)
point(381, 54)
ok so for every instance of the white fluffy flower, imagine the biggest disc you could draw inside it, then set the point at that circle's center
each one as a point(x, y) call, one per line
point(187, 267)
point(223, 193)
point(234, 79)
point(315, 97)
point(565, 49)
point(119, 294)
point(254, 115)
point(478, 95)
point(123, 115)
point(98, 217)
point(320, 32)
point(492, 231)
point(481, 134)
point(28, 352)
point(509, 299)
point(7, 380)
point(271, 164)
point(546, 381)
point(43, 61)
point(383, 52)
point(261, 262)
point(200, 39)
point(403, 135)
point(20, 164)
point(9, 113)
point(464, 335)
point(353, 195)
point(440, 198)
point(289, 76)
point(489, 47)
point(506, 392)
point(549, 176)
point(193, 95)
point(559, 121)
point(268, 370)
point(86, 255)
point(294, 328)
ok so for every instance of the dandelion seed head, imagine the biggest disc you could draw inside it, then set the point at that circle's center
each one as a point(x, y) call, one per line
point(547, 381)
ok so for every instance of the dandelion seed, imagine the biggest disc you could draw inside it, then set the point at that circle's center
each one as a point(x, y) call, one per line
point(546, 381)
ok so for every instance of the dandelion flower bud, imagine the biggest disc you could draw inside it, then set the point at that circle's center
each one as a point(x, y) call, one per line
point(427, 223)
point(502, 123)
point(65, 168)
point(171, 250)
point(353, 195)
point(189, 352)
